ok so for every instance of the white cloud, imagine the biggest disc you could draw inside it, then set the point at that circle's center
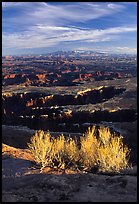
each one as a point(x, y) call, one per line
point(126, 50)
point(12, 4)
point(114, 49)
point(47, 25)
point(47, 36)
point(17, 4)
point(80, 12)
point(18, 41)
point(115, 6)
point(38, 12)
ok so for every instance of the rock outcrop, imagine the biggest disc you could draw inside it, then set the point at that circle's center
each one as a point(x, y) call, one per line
point(22, 183)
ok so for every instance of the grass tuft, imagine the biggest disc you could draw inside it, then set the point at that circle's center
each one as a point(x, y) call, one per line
point(98, 147)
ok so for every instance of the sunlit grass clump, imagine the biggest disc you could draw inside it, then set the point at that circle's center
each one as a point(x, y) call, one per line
point(53, 152)
point(98, 147)
point(113, 156)
point(89, 149)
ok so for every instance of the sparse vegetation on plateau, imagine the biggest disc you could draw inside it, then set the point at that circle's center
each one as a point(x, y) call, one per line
point(113, 156)
point(98, 147)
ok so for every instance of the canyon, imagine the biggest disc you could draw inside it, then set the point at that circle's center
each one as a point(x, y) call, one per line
point(42, 111)
point(72, 110)
point(65, 101)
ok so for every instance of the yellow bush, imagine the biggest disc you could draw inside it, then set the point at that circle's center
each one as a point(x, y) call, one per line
point(104, 134)
point(41, 148)
point(98, 147)
point(113, 156)
point(54, 152)
point(88, 150)
point(71, 151)
point(57, 151)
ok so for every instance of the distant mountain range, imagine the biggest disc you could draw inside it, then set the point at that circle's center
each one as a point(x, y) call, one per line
point(78, 53)
point(85, 53)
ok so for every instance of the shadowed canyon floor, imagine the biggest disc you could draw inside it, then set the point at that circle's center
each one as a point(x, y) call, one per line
point(70, 110)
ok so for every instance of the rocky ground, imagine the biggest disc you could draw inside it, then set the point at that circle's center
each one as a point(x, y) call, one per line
point(21, 182)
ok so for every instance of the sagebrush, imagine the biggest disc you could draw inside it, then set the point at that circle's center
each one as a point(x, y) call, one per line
point(98, 147)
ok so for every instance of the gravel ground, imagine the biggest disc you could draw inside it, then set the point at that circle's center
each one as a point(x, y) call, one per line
point(21, 183)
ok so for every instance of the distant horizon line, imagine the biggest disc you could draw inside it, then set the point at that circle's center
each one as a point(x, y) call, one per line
point(103, 52)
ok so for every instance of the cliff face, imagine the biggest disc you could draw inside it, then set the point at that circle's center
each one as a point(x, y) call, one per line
point(39, 110)
point(24, 79)
point(81, 98)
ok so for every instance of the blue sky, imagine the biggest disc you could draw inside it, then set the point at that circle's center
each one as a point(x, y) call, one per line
point(42, 27)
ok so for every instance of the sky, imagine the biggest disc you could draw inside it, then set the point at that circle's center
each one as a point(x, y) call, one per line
point(43, 27)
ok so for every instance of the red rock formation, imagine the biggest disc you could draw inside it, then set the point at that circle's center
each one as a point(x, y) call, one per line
point(85, 76)
point(41, 76)
point(10, 76)
point(29, 103)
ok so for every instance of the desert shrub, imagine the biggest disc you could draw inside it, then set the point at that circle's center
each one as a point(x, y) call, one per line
point(113, 156)
point(57, 152)
point(47, 150)
point(104, 134)
point(41, 148)
point(88, 149)
point(71, 152)
point(53, 152)
point(97, 147)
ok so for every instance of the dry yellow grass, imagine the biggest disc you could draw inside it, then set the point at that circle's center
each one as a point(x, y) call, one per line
point(98, 147)
point(88, 150)
point(71, 152)
point(57, 152)
point(113, 156)
point(40, 147)
point(53, 152)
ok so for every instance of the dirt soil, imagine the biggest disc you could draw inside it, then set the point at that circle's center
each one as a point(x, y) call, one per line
point(23, 183)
